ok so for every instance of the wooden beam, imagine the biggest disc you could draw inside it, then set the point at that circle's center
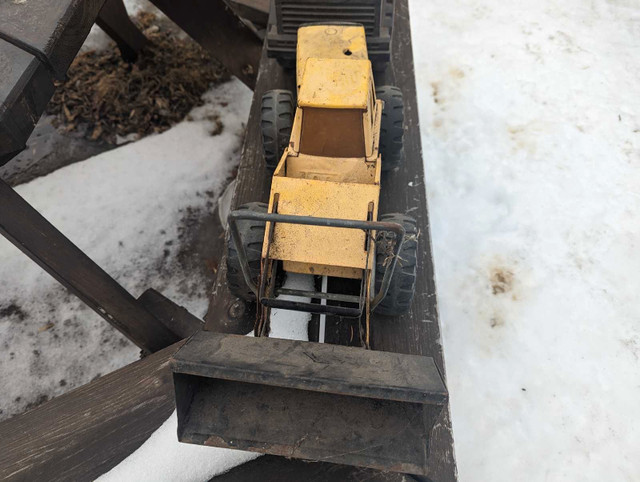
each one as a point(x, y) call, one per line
point(115, 21)
point(88, 431)
point(26, 85)
point(173, 316)
point(213, 25)
point(36, 237)
point(51, 31)
point(38, 41)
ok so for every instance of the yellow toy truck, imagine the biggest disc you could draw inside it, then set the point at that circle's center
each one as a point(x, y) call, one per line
point(327, 154)
point(300, 399)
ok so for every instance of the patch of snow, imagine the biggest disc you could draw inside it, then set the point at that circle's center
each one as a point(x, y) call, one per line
point(292, 325)
point(163, 458)
point(131, 210)
point(530, 117)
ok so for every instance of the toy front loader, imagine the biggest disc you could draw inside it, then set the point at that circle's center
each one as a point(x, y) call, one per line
point(348, 405)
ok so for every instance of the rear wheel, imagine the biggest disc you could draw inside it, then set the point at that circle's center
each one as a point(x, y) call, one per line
point(399, 297)
point(252, 236)
point(276, 119)
point(392, 127)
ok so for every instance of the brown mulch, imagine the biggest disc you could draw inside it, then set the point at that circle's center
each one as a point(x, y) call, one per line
point(106, 97)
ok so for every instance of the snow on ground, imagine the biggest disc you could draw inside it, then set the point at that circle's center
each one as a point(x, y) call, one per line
point(162, 457)
point(131, 210)
point(531, 135)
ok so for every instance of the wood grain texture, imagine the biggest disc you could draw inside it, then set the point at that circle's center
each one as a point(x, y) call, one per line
point(36, 237)
point(26, 86)
point(417, 332)
point(86, 432)
point(51, 31)
point(114, 20)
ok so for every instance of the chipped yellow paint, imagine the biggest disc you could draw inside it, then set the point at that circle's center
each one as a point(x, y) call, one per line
point(318, 245)
point(329, 42)
point(335, 84)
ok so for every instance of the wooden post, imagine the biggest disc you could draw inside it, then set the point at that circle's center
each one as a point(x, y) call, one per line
point(36, 237)
point(115, 21)
point(214, 26)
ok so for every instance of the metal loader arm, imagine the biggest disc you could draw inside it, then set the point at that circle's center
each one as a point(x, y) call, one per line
point(367, 226)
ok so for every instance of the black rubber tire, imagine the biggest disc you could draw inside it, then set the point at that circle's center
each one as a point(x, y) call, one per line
point(403, 281)
point(392, 127)
point(276, 119)
point(252, 235)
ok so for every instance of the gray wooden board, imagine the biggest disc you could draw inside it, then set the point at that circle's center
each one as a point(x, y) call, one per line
point(403, 190)
point(52, 31)
point(317, 367)
point(114, 20)
point(25, 88)
point(88, 431)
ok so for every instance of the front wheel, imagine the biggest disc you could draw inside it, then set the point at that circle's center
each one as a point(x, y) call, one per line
point(252, 236)
point(399, 297)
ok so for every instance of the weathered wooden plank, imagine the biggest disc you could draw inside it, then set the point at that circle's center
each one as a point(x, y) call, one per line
point(36, 237)
point(170, 314)
point(115, 21)
point(86, 432)
point(315, 367)
point(25, 88)
point(213, 25)
point(48, 36)
point(52, 31)
point(417, 332)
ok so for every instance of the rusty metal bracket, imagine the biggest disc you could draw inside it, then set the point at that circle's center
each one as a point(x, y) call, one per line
point(267, 299)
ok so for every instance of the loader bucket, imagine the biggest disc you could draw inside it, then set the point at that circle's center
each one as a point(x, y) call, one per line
point(307, 400)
